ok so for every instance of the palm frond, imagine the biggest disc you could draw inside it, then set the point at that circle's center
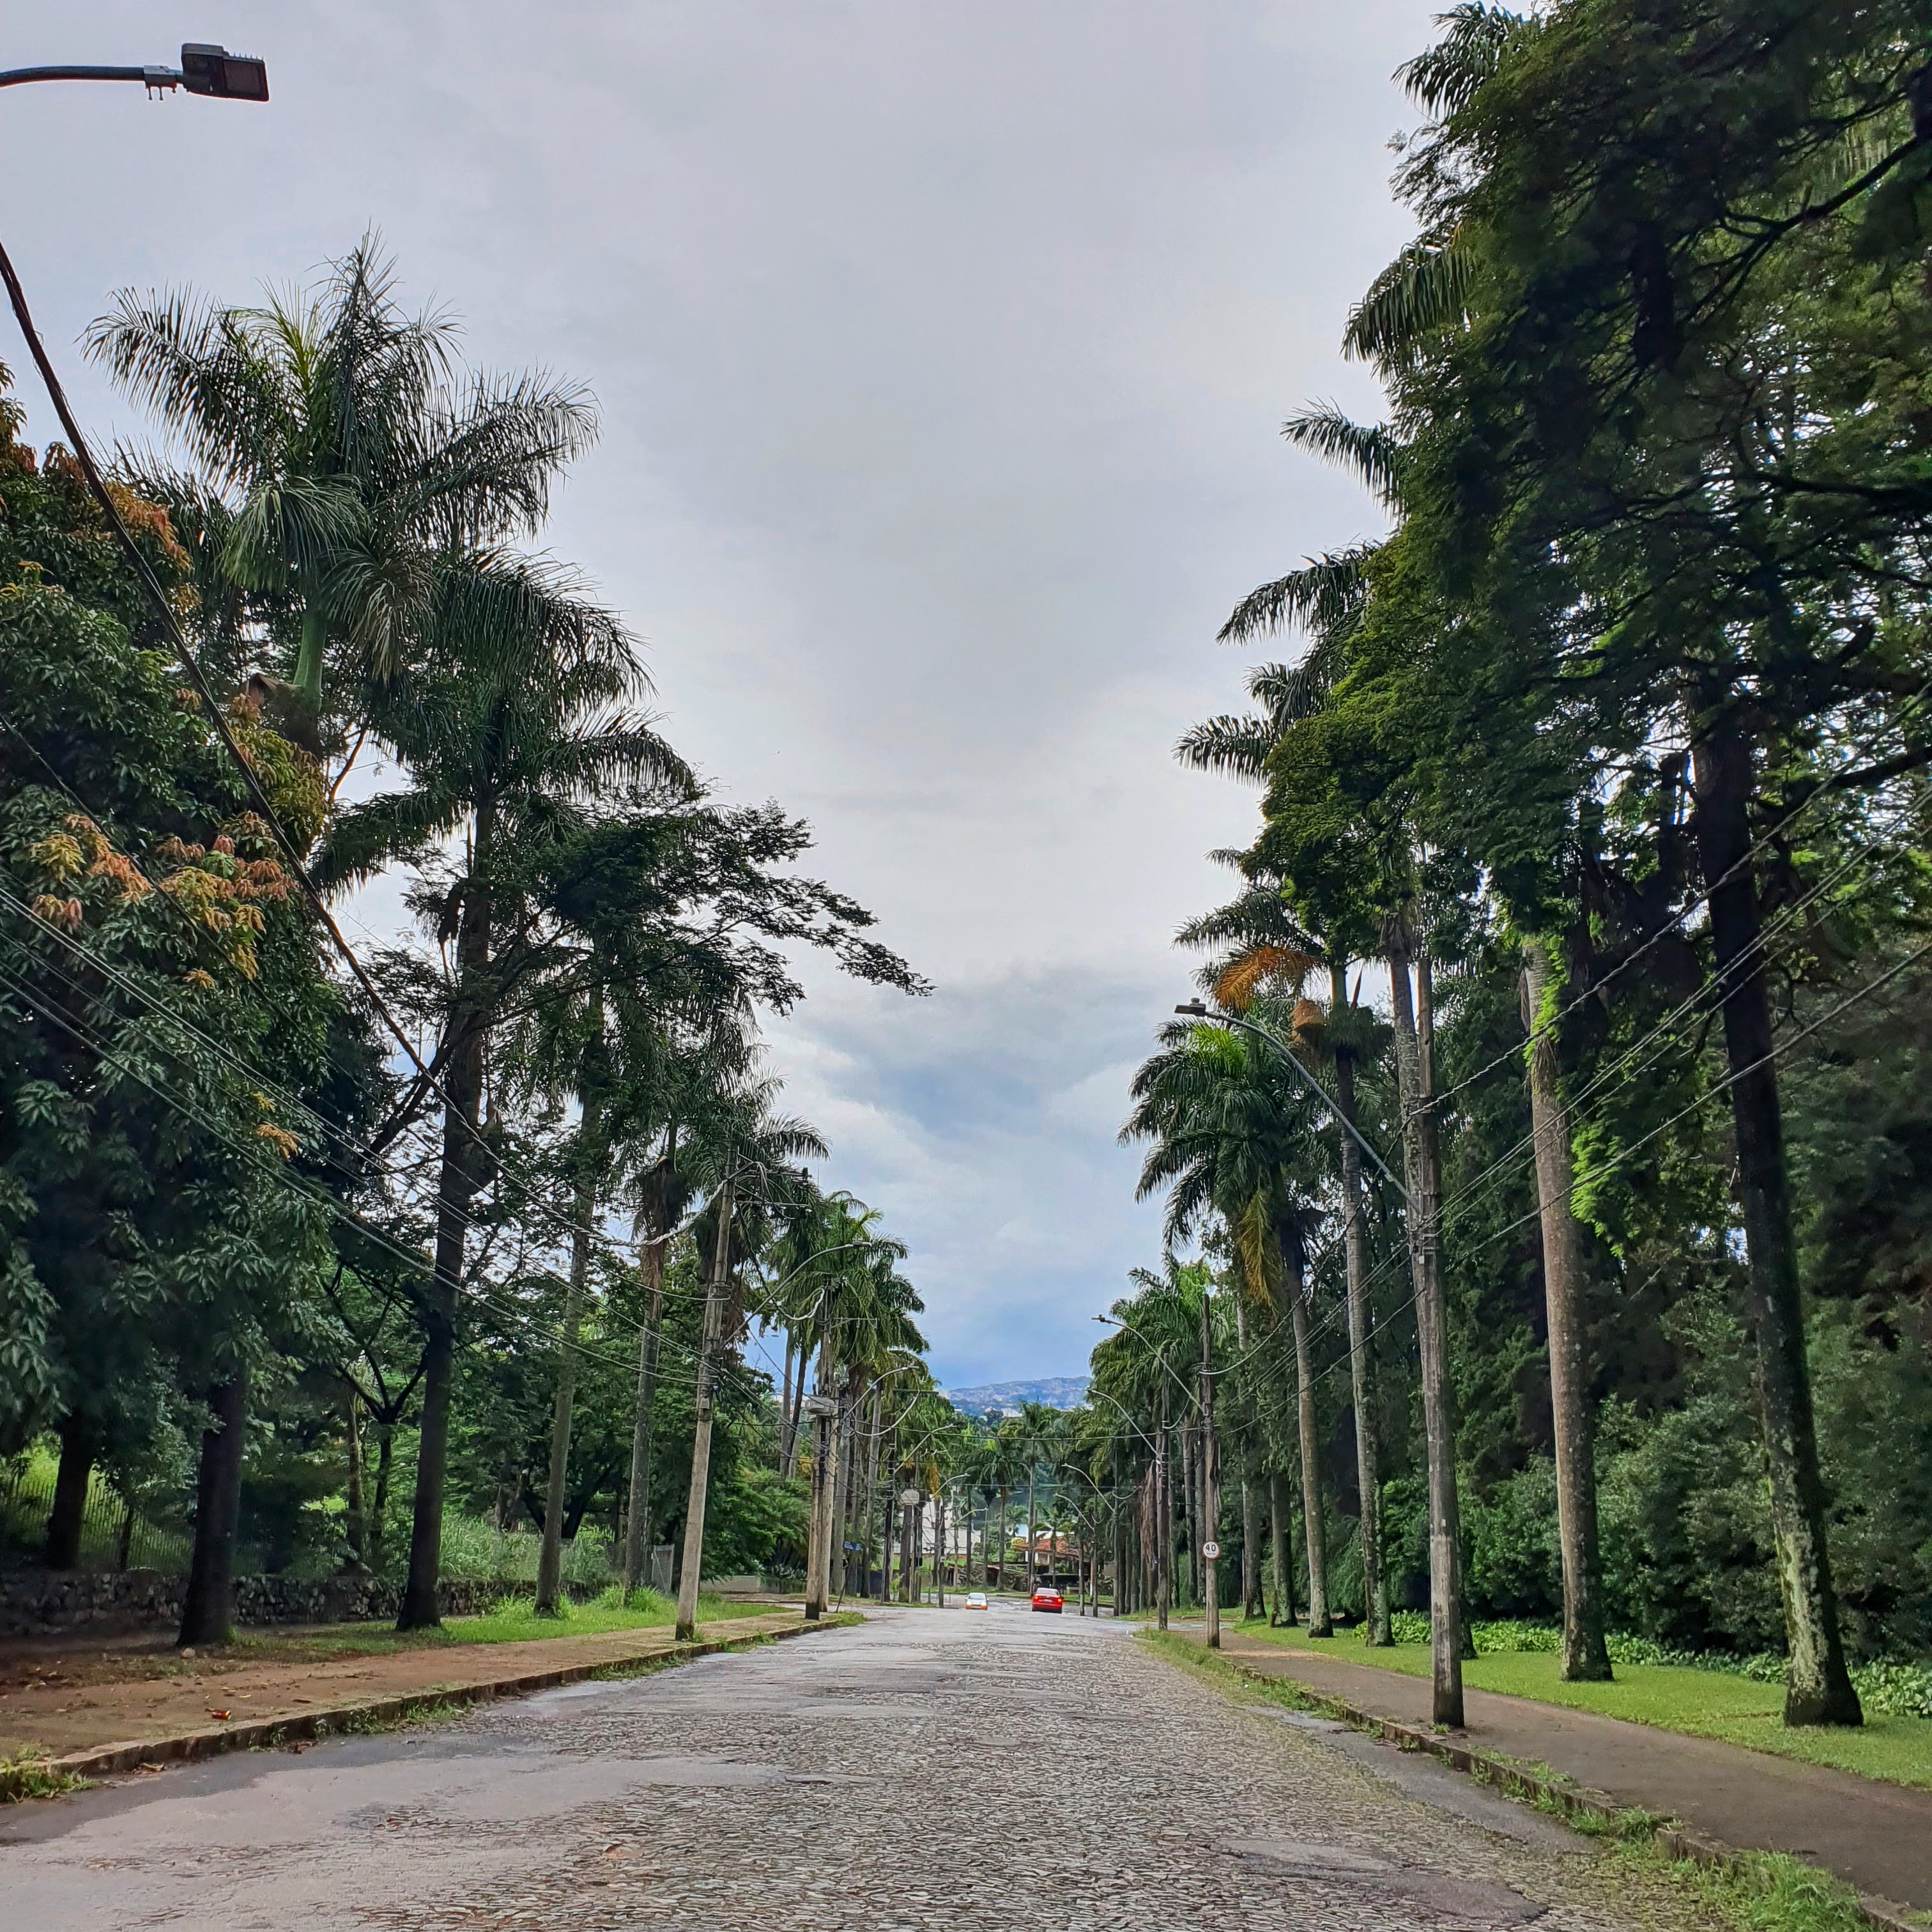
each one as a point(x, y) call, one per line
point(1424, 288)
point(1370, 450)
point(1238, 982)
point(1443, 80)
point(1323, 597)
point(1238, 747)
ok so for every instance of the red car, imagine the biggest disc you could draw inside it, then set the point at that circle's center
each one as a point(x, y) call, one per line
point(1047, 1598)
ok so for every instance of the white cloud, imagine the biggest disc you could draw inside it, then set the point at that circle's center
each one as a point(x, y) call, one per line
point(940, 351)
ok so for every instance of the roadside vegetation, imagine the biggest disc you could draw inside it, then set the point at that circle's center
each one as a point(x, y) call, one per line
point(1543, 1154)
point(431, 1254)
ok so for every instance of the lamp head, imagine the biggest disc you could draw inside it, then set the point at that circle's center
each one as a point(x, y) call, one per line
point(213, 70)
point(1192, 1009)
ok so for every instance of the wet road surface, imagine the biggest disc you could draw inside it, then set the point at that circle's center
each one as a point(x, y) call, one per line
point(987, 1769)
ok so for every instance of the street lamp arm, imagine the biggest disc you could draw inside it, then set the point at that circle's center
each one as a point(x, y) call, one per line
point(1193, 1009)
point(151, 76)
point(205, 69)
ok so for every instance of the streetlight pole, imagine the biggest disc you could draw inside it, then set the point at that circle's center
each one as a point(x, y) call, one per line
point(205, 69)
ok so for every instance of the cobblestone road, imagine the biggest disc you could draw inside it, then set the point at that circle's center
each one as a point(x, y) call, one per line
point(994, 1770)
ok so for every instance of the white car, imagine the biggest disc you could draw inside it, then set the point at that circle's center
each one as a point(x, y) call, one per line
point(977, 1600)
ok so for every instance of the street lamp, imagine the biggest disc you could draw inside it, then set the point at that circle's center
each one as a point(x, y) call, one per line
point(1193, 1009)
point(204, 69)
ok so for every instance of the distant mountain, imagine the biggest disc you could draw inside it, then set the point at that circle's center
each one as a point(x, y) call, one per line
point(1055, 1391)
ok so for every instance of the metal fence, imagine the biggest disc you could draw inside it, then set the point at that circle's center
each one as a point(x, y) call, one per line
point(117, 1532)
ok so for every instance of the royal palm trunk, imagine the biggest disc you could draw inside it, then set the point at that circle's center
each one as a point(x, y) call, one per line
point(550, 1556)
point(1361, 1366)
point(705, 1401)
point(1415, 1073)
point(637, 1526)
point(1585, 1658)
point(459, 1175)
point(1314, 1528)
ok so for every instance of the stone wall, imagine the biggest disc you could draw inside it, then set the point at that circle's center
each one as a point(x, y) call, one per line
point(37, 1602)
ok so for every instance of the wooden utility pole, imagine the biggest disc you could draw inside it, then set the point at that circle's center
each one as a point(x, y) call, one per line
point(705, 1401)
point(1585, 1658)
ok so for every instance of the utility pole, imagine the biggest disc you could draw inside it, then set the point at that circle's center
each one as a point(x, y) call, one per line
point(1211, 1480)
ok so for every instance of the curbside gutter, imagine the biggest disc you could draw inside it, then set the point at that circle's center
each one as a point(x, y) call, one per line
point(334, 1720)
point(1574, 1801)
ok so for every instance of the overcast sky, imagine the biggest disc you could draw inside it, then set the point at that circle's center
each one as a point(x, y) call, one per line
point(940, 347)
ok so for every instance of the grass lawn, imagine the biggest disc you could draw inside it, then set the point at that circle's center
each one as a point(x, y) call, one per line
point(1703, 1703)
point(516, 1622)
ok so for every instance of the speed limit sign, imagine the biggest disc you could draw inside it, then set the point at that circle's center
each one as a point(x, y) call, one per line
point(1210, 1550)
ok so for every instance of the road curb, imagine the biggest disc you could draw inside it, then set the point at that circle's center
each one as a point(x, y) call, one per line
point(334, 1720)
point(1574, 1801)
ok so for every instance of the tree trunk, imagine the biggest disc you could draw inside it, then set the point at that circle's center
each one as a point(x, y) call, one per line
point(549, 1554)
point(788, 1422)
point(1361, 1366)
point(1585, 1659)
point(874, 1435)
point(1314, 1526)
point(1000, 1547)
point(459, 1176)
point(68, 1516)
point(704, 1402)
point(848, 1426)
point(638, 1526)
point(939, 1549)
point(818, 1544)
point(354, 1518)
point(1818, 1687)
point(1251, 1553)
point(207, 1608)
point(1163, 1504)
point(1210, 1487)
point(385, 1462)
point(1281, 1531)
point(1033, 1537)
point(1416, 1076)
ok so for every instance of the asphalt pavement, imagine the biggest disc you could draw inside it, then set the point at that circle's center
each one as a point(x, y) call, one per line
point(988, 1769)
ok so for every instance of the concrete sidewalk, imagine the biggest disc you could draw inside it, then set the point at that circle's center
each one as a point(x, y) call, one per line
point(1875, 1836)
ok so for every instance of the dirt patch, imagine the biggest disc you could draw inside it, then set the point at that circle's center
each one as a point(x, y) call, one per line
point(77, 1698)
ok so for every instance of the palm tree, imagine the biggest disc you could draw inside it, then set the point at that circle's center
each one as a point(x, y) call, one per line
point(1039, 1432)
point(340, 452)
point(1234, 1139)
point(1143, 1367)
point(514, 760)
